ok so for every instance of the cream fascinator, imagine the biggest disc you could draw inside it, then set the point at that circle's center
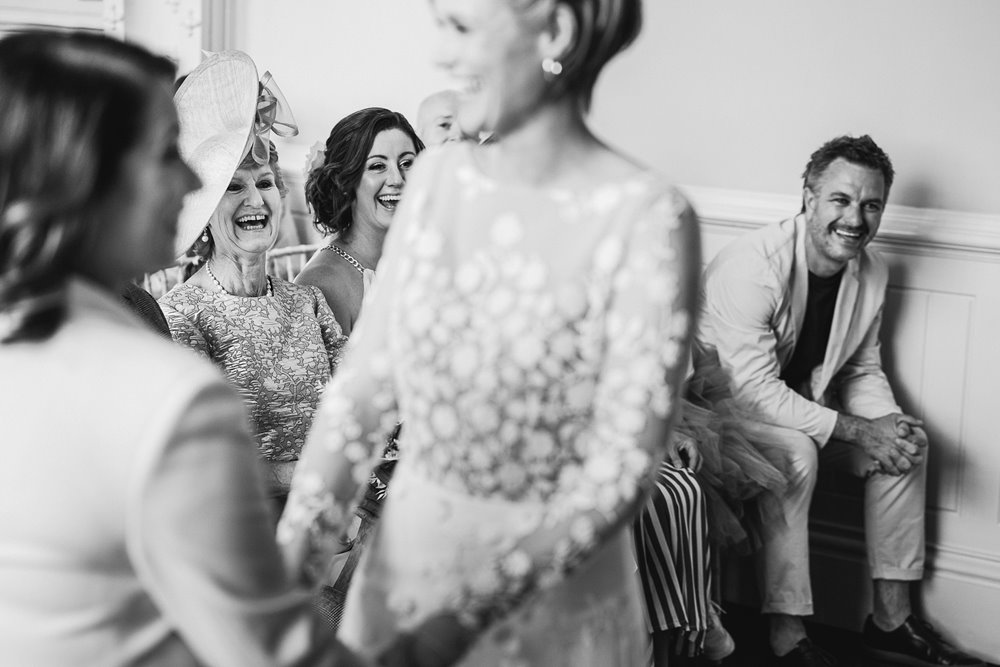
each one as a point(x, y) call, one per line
point(224, 112)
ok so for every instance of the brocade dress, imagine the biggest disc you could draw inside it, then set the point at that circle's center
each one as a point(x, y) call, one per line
point(278, 351)
point(530, 341)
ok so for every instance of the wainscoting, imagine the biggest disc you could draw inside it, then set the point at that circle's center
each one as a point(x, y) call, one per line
point(941, 349)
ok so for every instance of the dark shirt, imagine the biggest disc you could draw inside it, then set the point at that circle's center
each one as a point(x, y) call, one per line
point(144, 305)
point(810, 347)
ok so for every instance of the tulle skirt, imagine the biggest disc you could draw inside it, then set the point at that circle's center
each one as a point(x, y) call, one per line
point(740, 485)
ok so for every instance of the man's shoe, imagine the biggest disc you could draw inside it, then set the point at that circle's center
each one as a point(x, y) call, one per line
point(915, 642)
point(805, 654)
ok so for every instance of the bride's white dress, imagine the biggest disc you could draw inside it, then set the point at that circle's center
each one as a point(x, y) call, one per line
point(530, 341)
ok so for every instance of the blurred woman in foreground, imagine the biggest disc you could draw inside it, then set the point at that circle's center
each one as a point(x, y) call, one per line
point(134, 528)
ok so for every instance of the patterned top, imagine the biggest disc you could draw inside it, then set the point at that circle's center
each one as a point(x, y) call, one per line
point(530, 341)
point(279, 351)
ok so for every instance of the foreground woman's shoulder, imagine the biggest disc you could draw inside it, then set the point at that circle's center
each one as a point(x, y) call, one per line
point(109, 341)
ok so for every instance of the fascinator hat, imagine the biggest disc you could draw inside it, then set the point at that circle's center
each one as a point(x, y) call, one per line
point(225, 112)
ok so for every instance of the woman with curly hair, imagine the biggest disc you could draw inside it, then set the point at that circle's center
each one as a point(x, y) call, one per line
point(353, 194)
point(354, 189)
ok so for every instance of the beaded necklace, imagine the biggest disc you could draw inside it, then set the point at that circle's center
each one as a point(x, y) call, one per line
point(269, 291)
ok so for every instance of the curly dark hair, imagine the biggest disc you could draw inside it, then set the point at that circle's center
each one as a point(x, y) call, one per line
point(857, 150)
point(72, 105)
point(331, 188)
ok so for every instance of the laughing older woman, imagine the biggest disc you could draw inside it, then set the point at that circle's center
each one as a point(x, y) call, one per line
point(277, 342)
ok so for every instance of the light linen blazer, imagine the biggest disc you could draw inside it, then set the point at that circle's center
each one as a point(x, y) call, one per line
point(134, 529)
point(753, 306)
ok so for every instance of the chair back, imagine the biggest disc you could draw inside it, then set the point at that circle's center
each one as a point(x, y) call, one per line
point(160, 282)
point(286, 262)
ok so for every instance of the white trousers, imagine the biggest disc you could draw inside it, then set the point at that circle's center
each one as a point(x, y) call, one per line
point(894, 517)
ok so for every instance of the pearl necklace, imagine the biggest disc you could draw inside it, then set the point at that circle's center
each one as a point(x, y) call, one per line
point(269, 291)
point(346, 255)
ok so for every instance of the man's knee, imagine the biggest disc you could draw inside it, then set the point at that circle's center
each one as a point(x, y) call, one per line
point(794, 453)
point(803, 462)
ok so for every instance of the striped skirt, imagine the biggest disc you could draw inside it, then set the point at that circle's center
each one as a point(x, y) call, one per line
point(673, 555)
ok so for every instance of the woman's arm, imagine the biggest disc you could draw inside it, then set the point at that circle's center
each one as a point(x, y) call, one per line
point(333, 335)
point(203, 546)
point(184, 331)
point(340, 286)
point(357, 413)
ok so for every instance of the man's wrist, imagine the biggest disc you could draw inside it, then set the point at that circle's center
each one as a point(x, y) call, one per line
point(848, 428)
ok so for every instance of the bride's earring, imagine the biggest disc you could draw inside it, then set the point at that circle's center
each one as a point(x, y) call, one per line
point(551, 68)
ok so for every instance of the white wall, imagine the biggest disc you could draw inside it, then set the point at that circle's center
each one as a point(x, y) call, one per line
point(333, 57)
point(722, 93)
point(735, 94)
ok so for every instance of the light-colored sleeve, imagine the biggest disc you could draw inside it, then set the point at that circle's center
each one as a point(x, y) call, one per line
point(741, 297)
point(184, 331)
point(357, 413)
point(204, 547)
point(862, 385)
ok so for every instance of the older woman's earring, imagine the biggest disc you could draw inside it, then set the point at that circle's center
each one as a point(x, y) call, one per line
point(204, 235)
point(551, 68)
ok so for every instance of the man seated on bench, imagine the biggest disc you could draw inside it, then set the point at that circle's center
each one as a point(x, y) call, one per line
point(791, 317)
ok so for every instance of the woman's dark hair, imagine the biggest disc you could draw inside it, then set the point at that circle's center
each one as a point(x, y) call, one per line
point(604, 29)
point(72, 105)
point(332, 187)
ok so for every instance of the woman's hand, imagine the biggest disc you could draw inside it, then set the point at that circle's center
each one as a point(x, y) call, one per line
point(279, 476)
point(682, 452)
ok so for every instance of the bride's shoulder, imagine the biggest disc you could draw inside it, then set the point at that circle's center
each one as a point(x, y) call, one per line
point(638, 182)
point(604, 166)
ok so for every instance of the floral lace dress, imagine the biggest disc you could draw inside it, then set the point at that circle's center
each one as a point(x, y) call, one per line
point(531, 342)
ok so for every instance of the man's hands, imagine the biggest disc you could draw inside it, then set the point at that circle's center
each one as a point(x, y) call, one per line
point(895, 442)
